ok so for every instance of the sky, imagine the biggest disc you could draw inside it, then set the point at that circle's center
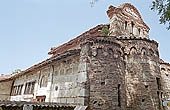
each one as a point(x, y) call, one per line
point(29, 28)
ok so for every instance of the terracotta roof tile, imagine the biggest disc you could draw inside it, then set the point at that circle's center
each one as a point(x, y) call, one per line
point(41, 104)
point(75, 43)
point(49, 60)
point(3, 76)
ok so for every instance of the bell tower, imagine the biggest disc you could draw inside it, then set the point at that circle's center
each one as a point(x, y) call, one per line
point(125, 20)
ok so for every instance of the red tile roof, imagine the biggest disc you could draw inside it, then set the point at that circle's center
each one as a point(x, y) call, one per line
point(75, 43)
point(49, 60)
point(3, 76)
point(36, 104)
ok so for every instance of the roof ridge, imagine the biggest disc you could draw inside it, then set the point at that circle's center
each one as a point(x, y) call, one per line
point(76, 39)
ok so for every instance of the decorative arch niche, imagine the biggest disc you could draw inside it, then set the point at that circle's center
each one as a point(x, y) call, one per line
point(143, 51)
point(151, 52)
point(133, 51)
point(44, 81)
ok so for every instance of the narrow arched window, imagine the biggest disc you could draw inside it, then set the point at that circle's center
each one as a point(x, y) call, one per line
point(125, 25)
point(157, 54)
point(162, 69)
point(110, 51)
point(99, 51)
point(132, 27)
point(151, 52)
point(133, 51)
point(43, 82)
point(143, 51)
point(139, 31)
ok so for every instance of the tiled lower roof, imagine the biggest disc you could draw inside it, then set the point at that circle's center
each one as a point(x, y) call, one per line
point(42, 104)
point(76, 41)
point(4, 77)
point(49, 60)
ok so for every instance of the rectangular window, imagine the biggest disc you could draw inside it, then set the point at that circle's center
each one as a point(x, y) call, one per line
point(29, 88)
point(13, 91)
point(25, 90)
point(32, 87)
point(16, 90)
point(20, 90)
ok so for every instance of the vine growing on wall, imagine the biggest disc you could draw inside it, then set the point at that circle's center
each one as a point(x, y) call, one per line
point(105, 31)
point(17, 71)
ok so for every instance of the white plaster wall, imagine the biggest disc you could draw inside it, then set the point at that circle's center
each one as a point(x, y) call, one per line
point(45, 91)
point(68, 76)
point(29, 77)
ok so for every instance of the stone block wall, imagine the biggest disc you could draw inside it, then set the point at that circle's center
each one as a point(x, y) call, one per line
point(5, 89)
point(126, 20)
point(106, 73)
point(165, 74)
point(141, 56)
point(119, 71)
point(143, 78)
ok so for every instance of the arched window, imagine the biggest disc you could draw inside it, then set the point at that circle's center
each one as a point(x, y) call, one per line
point(133, 51)
point(125, 25)
point(117, 54)
point(132, 27)
point(44, 81)
point(168, 70)
point(151, 52)
point(110, 51)
point(99, 51)
point(62, 71)
point(156, 54)
point(143, 51)
point(139, 31)
point(162, 69)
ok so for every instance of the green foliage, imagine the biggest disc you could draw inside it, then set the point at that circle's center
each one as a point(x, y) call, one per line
point(163, 9)
point(105, 31)
point(16, 71)
point(161, 6)
point(92, 2)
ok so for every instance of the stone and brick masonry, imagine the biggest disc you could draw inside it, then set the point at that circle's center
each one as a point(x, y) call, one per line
point(113, 66)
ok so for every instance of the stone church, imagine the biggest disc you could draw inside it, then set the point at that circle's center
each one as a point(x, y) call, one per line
point(113, 66)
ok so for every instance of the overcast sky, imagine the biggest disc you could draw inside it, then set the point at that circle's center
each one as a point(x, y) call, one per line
point(29, 28)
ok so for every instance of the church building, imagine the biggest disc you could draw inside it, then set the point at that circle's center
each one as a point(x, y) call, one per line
point(114, 66)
